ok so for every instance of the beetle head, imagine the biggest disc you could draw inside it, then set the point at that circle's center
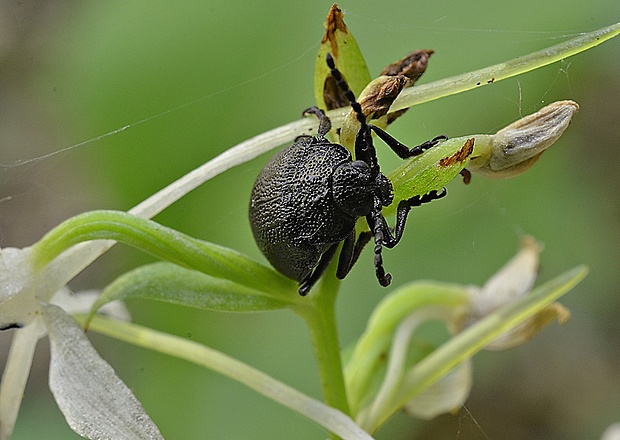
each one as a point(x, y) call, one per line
point(384, 189)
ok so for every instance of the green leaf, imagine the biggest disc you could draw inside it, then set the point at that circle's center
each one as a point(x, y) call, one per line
point(174, 284)
point(339, 41)
point(164, 243)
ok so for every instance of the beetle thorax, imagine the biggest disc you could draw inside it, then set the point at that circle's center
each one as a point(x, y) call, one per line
point(354, 188)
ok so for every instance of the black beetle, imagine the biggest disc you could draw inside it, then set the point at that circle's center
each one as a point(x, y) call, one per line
point(309, 196)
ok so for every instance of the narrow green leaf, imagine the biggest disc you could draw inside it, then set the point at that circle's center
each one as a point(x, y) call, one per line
point(497, 72)
point(174, 284)
point(164, 243)
point(340, 43)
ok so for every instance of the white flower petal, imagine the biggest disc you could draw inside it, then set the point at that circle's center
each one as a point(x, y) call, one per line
point(18, 303)
point(511, 282)
point(445, 395)
point(612, 432)
point(93, 399)
point(16, 374)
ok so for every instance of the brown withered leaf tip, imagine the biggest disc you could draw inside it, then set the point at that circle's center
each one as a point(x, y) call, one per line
point(333, 96)
point(334, 22)
point(466, 174)
point(459, 156)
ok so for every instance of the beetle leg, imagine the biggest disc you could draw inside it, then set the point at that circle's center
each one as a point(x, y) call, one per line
point(318, 271)
point(324, 122)
point(362, 240)
point(342, 83)
point(364, 149)
point(345, 260)
point(403, 151)
point(401, 216)
point(350, 252)
point(378, 227)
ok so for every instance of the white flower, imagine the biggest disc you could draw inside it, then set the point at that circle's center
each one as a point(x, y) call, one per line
point(390, 368)
point(513, 281)
point(93, 399)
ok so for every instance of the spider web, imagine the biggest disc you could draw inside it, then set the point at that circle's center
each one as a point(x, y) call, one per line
point(21, 166)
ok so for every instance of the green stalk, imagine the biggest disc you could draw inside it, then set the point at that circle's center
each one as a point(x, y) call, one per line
point(320, 317)
point(329, 418)
point(516, 66)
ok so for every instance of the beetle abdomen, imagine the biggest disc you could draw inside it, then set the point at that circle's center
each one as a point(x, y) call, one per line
point(292, 213)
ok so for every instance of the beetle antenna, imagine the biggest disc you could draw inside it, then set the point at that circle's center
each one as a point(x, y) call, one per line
point(344, 86)
point(364, 149)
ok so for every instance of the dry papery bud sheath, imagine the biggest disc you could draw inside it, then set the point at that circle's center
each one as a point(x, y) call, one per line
point(412, 66)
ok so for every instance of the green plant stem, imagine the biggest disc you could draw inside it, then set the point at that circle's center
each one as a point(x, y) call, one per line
point(516, 66)
point(191, 351)
point(320, 317)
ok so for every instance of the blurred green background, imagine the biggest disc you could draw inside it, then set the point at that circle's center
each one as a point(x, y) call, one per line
point(192, 79)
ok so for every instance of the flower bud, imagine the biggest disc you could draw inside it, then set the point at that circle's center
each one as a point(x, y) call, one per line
point(515, 148)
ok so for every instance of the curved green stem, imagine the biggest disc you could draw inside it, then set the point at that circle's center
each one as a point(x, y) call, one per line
point(320, 316)
point(191, 351)
point(164, 243)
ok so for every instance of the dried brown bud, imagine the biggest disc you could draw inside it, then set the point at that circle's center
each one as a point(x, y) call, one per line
point(375, 101)
point(412, 66)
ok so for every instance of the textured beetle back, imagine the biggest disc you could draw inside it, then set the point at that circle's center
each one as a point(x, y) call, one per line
point(292, 213)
